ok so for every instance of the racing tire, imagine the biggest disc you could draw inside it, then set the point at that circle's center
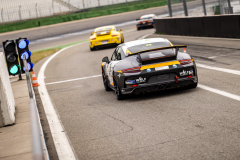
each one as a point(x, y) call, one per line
point(106, 87)
point(138, 28)
point(191, 86)
point(117, 91)
point(92, 49)
point(122, 41)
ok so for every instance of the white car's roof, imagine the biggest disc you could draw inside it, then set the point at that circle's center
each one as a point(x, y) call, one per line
point(148, 15)
point(144, 41)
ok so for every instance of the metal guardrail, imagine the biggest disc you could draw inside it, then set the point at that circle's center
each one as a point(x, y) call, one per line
point(37, 149)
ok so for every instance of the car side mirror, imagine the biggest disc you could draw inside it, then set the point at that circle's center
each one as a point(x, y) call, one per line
point(105, 59)
point(137, 19)
point(92, 33)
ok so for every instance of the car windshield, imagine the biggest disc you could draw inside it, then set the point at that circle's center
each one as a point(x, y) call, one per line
point(103, 29)
point(148, 46)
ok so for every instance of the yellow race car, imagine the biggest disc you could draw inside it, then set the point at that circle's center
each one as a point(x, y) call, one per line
point(105, 36)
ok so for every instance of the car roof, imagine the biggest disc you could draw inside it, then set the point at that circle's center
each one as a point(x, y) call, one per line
point(147, 15)
point(112, 26)
point(144, 41)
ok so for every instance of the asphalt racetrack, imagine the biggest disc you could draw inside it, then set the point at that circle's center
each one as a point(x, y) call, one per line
point(201, 123)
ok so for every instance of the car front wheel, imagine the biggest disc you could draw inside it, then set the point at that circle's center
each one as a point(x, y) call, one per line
point(194, 85)
point(92, 49)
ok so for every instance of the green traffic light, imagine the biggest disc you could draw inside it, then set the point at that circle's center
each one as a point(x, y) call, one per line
point(14, 69)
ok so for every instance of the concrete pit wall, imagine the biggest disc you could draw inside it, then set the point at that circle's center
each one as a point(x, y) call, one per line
point(7, 102)
point(225, 26)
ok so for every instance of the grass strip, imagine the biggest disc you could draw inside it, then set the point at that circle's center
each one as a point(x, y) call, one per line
point(40, 54)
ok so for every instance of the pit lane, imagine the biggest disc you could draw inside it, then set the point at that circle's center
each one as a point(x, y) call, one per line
point(174, 124)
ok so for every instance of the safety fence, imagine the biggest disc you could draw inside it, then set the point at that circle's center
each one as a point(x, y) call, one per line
point(14, 10)
point(226, 26)
point(87, 13)
point(213, 7)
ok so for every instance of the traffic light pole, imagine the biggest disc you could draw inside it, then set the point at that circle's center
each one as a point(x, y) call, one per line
point(27, 77)
point(20, 77)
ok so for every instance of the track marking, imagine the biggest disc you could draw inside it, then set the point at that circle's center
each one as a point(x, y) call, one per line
point(222, 55)
point(226, 94)
point(144, 36)
point(76, 79)
point(60, 139)
point(219, 69)
point(223, 93)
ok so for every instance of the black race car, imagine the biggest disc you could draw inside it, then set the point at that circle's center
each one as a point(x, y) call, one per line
point(148, 65)
point(145, 21)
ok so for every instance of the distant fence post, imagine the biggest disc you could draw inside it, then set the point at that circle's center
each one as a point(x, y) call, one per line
point(68, 5)
point(53, 6)
point(36, 10)
point(30, 15)
point(19, 13)
point(83, 2)
point(2, 15)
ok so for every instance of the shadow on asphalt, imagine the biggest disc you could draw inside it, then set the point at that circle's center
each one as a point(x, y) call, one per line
point(159, 94)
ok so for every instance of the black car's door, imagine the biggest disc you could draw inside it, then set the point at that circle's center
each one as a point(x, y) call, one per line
point(114, 60)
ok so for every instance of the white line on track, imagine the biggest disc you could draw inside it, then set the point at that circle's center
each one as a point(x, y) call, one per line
point(76, 79)
point(226, 94)
point(60, 139)
point(223, 93)
point(144, 36)
point(219, 69)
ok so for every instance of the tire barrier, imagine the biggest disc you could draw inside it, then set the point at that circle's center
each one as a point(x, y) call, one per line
point(225, 26)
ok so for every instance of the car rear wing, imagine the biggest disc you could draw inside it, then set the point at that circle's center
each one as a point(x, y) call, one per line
point(144, 61)
point(162, 48)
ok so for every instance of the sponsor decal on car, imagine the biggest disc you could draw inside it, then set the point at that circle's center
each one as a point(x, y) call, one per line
point(183, 73)
point(191, 72)
point(119, 75)
point(130, 82)
point(186, 73)
point(174, 66)
point(141, 80)
point(161, 68)
point(149, 70)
